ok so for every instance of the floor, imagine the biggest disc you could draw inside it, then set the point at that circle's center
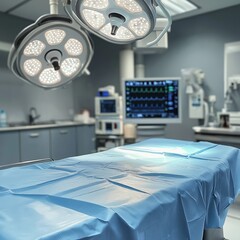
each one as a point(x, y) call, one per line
point(232, 224)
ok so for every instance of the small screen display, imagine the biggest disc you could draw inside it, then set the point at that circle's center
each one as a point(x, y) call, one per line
point(108, 106)
point(152, 99)
point(109, 126)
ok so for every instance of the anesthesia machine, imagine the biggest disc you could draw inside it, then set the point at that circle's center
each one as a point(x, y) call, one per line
point(109, 121)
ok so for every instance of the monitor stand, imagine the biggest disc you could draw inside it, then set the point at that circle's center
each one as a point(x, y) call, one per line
point(150, 131)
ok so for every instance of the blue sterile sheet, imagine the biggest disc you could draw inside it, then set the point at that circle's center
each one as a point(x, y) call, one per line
point(158, 189)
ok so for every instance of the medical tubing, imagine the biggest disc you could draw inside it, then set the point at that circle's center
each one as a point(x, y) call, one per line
point(169, 18)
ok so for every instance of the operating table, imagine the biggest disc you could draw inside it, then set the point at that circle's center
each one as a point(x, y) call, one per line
point(158, 189)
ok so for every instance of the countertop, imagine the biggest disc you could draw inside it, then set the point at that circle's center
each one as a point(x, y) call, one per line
point(42, 125)
point(233, 130)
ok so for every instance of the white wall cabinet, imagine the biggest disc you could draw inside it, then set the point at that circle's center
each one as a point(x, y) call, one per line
point(231, 66)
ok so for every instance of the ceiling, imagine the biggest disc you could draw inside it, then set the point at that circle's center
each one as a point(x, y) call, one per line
point(32, 9)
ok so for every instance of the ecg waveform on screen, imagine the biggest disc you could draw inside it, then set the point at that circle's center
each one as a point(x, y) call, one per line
point(156, 99)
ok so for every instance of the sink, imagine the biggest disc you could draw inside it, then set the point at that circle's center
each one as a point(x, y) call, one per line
point(43, 123)
point(19, 124)
point(39, 123)
point(22, 124)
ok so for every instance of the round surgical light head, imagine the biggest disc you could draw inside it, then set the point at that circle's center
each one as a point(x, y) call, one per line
point(51, 52)
point(118, 21)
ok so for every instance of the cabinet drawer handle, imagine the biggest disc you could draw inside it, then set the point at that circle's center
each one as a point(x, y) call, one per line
point(34, 135)
point(63, 131)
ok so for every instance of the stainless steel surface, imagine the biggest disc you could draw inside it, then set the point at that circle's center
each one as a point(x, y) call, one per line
point(233, 130)
point(225, 136)
point(39, 125)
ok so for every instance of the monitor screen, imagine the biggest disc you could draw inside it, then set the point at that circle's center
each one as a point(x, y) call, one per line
point(152, 100)
point(108, 106)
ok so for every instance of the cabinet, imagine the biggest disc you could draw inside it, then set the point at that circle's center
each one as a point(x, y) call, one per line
point(86, 139)
point(224, 136)
point(34, 144)
point(9, 148)
point(40, 143)
point(63, 142)
point(233, 141)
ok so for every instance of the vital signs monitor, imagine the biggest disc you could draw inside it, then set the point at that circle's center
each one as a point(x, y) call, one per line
point(152, 100)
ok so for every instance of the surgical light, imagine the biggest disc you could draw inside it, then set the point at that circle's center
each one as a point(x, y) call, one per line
point(51, 52)
point(119, 21)
point(55, 49)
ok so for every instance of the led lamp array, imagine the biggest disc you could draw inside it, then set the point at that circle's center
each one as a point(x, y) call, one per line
point(69, 66)
point(52, 54)
point(55, 49)
point(119, 21)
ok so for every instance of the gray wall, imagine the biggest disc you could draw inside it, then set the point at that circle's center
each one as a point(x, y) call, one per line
point(104, 70)
point(194, 42)
point(197, 42)
point(17, 97)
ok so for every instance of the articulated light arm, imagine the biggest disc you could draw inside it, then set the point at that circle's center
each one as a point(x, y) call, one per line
point(169, 18)
point(53, 6)
point(67, 5)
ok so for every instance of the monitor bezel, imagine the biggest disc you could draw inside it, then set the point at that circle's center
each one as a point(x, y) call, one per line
point(118, 102)
point(153, 121)
point(103, 102)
